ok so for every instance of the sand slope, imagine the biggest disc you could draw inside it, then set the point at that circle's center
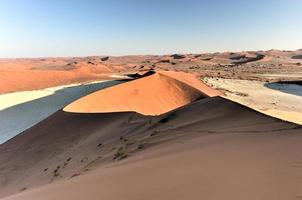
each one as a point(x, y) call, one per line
point(31, 74)
point(151, 95)
point(210, 149)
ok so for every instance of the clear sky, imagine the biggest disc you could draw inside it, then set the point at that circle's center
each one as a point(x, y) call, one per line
point(40, 28)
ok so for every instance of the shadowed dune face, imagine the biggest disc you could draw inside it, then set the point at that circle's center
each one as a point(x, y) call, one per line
point(152, 95)
point(192, 152)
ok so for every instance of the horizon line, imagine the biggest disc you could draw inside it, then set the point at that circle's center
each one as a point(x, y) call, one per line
point(147, 54)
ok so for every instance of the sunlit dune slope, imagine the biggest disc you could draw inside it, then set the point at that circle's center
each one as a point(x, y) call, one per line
point(152, 95)
point(32, 74)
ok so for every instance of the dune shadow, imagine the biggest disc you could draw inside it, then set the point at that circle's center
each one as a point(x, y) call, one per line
point(17, 118)
point(290, 87)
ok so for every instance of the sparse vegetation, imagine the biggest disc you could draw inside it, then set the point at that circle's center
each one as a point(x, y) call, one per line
point(65, 164)
point(241, 94)
point(154, 133)
point(120, 154)
point(140, 146)
point(56, 171)
point(74, 175)
point(130, 142)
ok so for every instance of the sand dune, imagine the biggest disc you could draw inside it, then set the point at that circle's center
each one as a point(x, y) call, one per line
point(151, 95)
point(49, 72)
point(210, 149)
point(163, 136)
point(31, 74)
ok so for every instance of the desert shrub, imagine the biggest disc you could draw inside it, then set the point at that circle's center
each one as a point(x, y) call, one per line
point(140, 146)
point(120, 154)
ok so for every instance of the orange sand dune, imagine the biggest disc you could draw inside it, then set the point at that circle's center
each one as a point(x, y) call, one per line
point(153, 95)
point(193, 81)
point(31, 74)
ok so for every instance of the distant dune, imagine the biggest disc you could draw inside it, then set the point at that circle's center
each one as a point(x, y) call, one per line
point(31, 74)
point(38, 73)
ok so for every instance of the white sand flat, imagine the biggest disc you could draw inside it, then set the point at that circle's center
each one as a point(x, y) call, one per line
point(283, 101)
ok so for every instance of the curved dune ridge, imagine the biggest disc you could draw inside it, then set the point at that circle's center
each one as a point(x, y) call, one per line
point(152, 95)
point(210, 149)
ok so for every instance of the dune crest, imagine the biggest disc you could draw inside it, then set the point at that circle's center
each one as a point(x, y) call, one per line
point(152, 95)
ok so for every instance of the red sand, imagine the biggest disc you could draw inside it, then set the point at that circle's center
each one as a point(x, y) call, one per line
point(152, 95)
point(31, 74)
point(193, 81)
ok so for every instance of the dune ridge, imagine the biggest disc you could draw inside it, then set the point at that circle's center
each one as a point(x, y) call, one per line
point(192, 152)
point(152, 95)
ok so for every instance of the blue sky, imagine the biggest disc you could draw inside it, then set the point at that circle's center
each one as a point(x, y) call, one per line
point(41, 28)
